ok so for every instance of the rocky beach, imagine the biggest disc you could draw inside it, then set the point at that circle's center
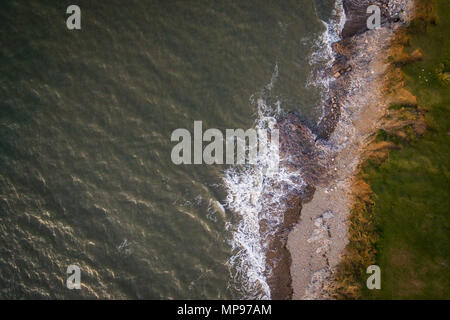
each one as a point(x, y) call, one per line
point(309, 245)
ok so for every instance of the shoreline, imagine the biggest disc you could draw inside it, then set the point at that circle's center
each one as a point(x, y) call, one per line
point(352, 115)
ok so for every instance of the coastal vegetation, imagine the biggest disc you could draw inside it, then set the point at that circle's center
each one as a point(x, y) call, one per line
point(400, 220)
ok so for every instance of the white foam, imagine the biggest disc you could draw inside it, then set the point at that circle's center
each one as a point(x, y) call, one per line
point(322, 55)
point(256, 193)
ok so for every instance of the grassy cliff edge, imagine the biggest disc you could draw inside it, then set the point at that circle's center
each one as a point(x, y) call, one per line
point(400, 218)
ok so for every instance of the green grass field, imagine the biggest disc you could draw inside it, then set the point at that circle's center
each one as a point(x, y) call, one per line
point(412, 187)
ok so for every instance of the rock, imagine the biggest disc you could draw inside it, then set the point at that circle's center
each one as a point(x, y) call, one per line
point(356, 16)
point(343, 47)
point(298, 147)
point(329, 120)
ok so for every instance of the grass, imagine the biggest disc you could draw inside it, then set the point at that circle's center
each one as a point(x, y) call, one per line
point(402, 222)
point(411, 188)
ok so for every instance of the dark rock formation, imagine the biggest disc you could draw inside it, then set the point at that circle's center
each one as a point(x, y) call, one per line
point(327, 124)
point(356, 14)
point(298, 149)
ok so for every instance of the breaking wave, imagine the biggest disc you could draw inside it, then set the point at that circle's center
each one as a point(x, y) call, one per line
point(257, 193)
point(322, 56)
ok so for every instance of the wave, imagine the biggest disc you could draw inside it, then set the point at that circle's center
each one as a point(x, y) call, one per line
point(322, 56)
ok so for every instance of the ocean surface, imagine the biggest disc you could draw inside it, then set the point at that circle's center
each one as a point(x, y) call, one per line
point(86, 116)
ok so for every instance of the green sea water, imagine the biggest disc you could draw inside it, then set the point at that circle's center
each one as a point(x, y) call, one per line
point(86, 116)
